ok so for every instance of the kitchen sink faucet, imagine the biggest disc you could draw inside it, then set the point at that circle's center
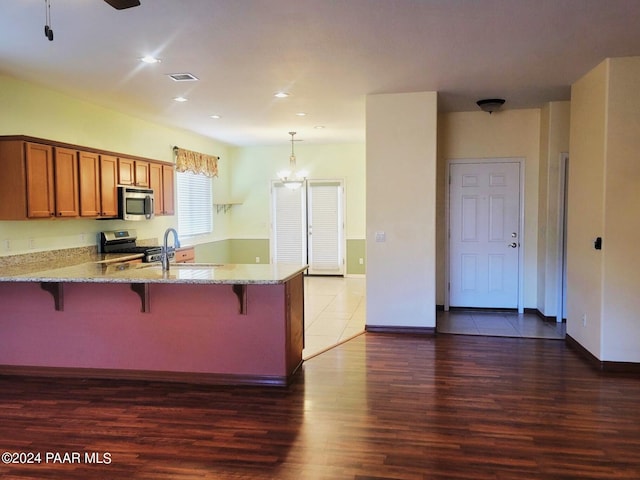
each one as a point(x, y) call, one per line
point(165, 247)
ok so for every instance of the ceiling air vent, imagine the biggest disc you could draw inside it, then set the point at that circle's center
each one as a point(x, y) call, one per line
point(183, 77)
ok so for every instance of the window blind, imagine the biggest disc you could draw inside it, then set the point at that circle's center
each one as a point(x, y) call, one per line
point(195, 204)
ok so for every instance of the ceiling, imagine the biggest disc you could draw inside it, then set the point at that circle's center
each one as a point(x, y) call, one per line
point(328, 54)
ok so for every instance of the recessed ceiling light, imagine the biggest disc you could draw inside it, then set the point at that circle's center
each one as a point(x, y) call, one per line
point(180, 99)
point(301, 114)
point(216, 117)
point(281, 94)
point(150, 59)
point(183, 77)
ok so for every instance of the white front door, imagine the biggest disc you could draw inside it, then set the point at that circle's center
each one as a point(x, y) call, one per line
point(484, 241)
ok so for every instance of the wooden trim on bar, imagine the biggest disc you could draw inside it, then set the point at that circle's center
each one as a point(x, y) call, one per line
point(148, 376)
point(241, 292)
point(431, 331)
point(142, 289)
point(56, 289)
point(601, 365)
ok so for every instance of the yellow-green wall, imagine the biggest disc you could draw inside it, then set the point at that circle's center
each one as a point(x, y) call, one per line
point(34, 111)
point(254, 168)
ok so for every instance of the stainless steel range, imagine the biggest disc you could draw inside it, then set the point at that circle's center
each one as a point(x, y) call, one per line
point(124, 241)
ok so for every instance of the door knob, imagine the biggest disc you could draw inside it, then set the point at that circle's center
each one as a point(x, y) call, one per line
point(513, 245)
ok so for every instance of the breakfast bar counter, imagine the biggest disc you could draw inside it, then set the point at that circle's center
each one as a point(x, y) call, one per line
point(202, 323)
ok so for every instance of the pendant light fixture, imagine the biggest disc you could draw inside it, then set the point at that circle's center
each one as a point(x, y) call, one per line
point(292, 178)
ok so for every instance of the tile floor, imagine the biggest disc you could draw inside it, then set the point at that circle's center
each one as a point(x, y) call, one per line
point(498, 324)
point(335, 312)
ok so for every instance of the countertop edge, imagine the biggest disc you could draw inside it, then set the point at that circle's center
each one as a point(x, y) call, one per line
point(51, 277)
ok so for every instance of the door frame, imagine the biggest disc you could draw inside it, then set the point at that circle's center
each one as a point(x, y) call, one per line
point(447, 212)
point(561, 272)
point(341, 226)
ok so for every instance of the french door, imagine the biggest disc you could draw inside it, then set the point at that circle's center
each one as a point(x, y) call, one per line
point(307, 225)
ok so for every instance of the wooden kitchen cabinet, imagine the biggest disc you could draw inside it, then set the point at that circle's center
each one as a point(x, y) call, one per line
point(89, 183)
point(161, 181)
point(39, 180)
point(126, 171)
point(42, 178)
point(108, 186)
point(141, 171)
point(133, 172)
point(98, 176)
point(168, 189)
point(185, 255)
point(66, 182)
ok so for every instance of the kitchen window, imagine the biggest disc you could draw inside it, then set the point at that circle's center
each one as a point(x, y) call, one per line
point(195, 204)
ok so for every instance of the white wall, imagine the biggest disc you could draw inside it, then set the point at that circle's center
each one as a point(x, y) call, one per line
point(621, 273)
point(401, 183)
point(604, 174)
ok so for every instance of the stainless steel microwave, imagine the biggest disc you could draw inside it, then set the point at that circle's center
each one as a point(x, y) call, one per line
point(135, 203)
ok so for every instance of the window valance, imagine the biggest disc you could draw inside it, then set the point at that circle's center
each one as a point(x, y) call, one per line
point(195, 162)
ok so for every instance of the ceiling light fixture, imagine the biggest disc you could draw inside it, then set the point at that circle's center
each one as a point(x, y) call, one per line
point(281, 94)
point(291, 178)
point(150, 59)
point(490, 104)
point(180, 99)
point(301, 114)
point(215, 117)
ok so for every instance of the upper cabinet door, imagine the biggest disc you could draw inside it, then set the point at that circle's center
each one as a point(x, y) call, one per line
point(108, 186)
point(142, 173)
point(39, 169)
point(168, 189)
point(89, 184)
point(126, 172)
point(66, 182)
point(155, 182)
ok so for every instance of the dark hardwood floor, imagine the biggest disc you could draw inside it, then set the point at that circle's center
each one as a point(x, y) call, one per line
point(378, 407)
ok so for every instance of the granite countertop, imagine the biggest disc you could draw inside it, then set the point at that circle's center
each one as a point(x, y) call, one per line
point(115, 270)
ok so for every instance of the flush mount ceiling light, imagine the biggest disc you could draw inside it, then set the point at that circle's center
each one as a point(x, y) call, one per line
point(215, 117)
point(123, 4)
point(291, 178)
point(150, 59)
point(490, 104)
point(180, 99)
point(281, 94)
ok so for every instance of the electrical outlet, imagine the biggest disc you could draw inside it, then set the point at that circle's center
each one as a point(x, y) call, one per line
point(7, 245)
point(361, 261)
point(31, 243)
point(257, 259)
point(584, 319)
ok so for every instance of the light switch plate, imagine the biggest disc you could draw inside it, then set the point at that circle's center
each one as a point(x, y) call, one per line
point(381, 237)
